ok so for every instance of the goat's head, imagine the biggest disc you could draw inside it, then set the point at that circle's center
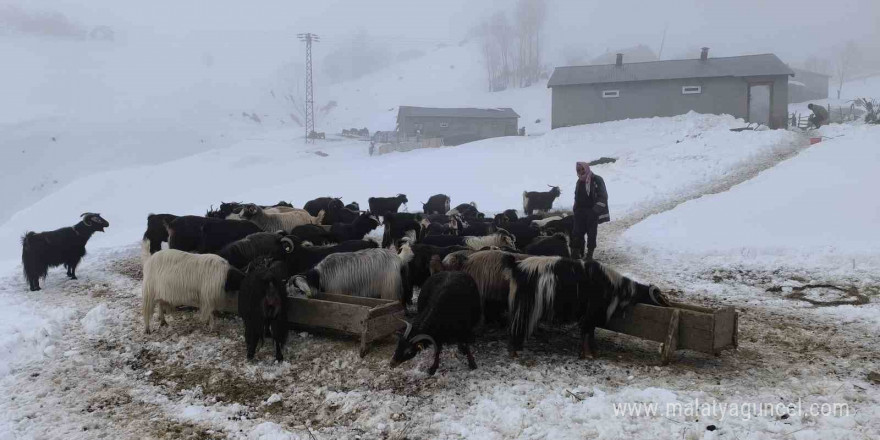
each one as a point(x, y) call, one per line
point(554, 191)
point(250, 210)
point(402, 198)
point(94, 221)
point(300, 286)
point(408, 346)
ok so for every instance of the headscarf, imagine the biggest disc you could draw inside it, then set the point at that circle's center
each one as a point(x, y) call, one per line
point(587, 175)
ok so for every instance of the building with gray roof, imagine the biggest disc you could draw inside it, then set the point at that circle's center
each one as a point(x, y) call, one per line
point(456, 125)
point(751, 87)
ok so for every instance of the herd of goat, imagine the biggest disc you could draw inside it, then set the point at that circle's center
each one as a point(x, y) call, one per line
point(470, 270)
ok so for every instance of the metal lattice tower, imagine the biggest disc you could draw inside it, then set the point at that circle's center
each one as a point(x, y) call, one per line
point(308, 38)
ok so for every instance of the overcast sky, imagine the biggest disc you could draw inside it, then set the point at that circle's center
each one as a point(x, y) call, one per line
point(793, 29)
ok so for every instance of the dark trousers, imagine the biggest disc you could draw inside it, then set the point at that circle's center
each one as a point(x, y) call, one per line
point(585, 222)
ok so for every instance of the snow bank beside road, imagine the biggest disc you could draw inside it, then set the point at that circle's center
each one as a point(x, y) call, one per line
point(817, 209)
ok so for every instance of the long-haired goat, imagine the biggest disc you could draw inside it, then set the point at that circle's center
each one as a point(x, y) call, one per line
point(374, 273)
point(283, 221)
point(174, 278)
point(448, 311)
point(386, 205)
point(540, 201)
point(67, 246)
point(437, 204)
point(155, 234)
point(191, 233)
point(561, 290)
point(262, 305)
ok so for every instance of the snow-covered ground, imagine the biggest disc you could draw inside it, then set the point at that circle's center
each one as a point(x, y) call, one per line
point(757, 220)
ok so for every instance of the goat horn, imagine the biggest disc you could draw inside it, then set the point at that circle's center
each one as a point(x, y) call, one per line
point(423, 337)
point(408, 327)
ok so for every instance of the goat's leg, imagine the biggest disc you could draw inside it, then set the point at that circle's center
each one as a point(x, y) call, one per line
point(437, 349)
point(588, 342)
point(465, 349)
point(164, 308)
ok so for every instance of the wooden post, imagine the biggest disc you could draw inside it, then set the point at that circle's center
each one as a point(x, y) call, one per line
point(671, 342)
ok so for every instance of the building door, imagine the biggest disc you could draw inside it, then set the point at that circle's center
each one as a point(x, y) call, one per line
point(759, 103)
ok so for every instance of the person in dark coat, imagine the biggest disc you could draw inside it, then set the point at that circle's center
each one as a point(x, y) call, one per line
point(819, 116)
point(590, 209)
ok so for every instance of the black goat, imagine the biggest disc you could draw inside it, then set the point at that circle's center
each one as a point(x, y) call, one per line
point(156, 232)
point(67, 246)
point(420, 266)
point(563, 226)
point(554, 245)
point(399, 225)
point(191, 233)
point(437, 204)
point(241, 253)
point(562, 290)
point(337, 213)
point(262, 305)
point(448, 311)
point(321, 204)
point(478, 227)
point(354, 206)
point(524, 233)
point(225, 210)
point(539, 201)
point(386, 205)
point(314, 234)
point(355, 230)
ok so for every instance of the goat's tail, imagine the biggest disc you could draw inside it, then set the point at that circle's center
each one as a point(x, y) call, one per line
point(149, 296)
point(32, 266)
point(145, 251)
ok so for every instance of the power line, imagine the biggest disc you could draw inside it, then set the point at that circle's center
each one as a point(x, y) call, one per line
point(308, 38)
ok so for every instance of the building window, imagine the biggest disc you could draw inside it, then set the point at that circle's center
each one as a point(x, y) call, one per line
point(444, 124)
point(691, 90)
point(610, 93)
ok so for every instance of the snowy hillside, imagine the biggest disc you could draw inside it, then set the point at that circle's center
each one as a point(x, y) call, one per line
point(817, 212)
point(658, 159)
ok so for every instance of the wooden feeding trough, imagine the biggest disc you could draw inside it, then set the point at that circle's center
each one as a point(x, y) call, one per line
point(681, 327)
point(368, 319)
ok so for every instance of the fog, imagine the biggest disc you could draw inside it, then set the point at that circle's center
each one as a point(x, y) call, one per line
point(793, 29)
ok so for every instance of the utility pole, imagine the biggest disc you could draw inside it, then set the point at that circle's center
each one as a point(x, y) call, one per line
point(308, 38)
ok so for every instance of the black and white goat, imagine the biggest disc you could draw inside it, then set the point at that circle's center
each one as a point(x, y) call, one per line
point(400, 225)
point(500, 238)
point(355, 230)
point(561, 290)
point(243, 252)
point(262, 305)
point(448, 312)
point(374, 273)
point(156, 234)
point(282, 221)
point(65, 246)
point(386, 205)
point(176, 278)
point(437, 204)
point(539, 201)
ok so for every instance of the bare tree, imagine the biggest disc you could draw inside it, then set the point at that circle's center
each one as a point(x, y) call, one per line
point(846, 62)
point(530, 18)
